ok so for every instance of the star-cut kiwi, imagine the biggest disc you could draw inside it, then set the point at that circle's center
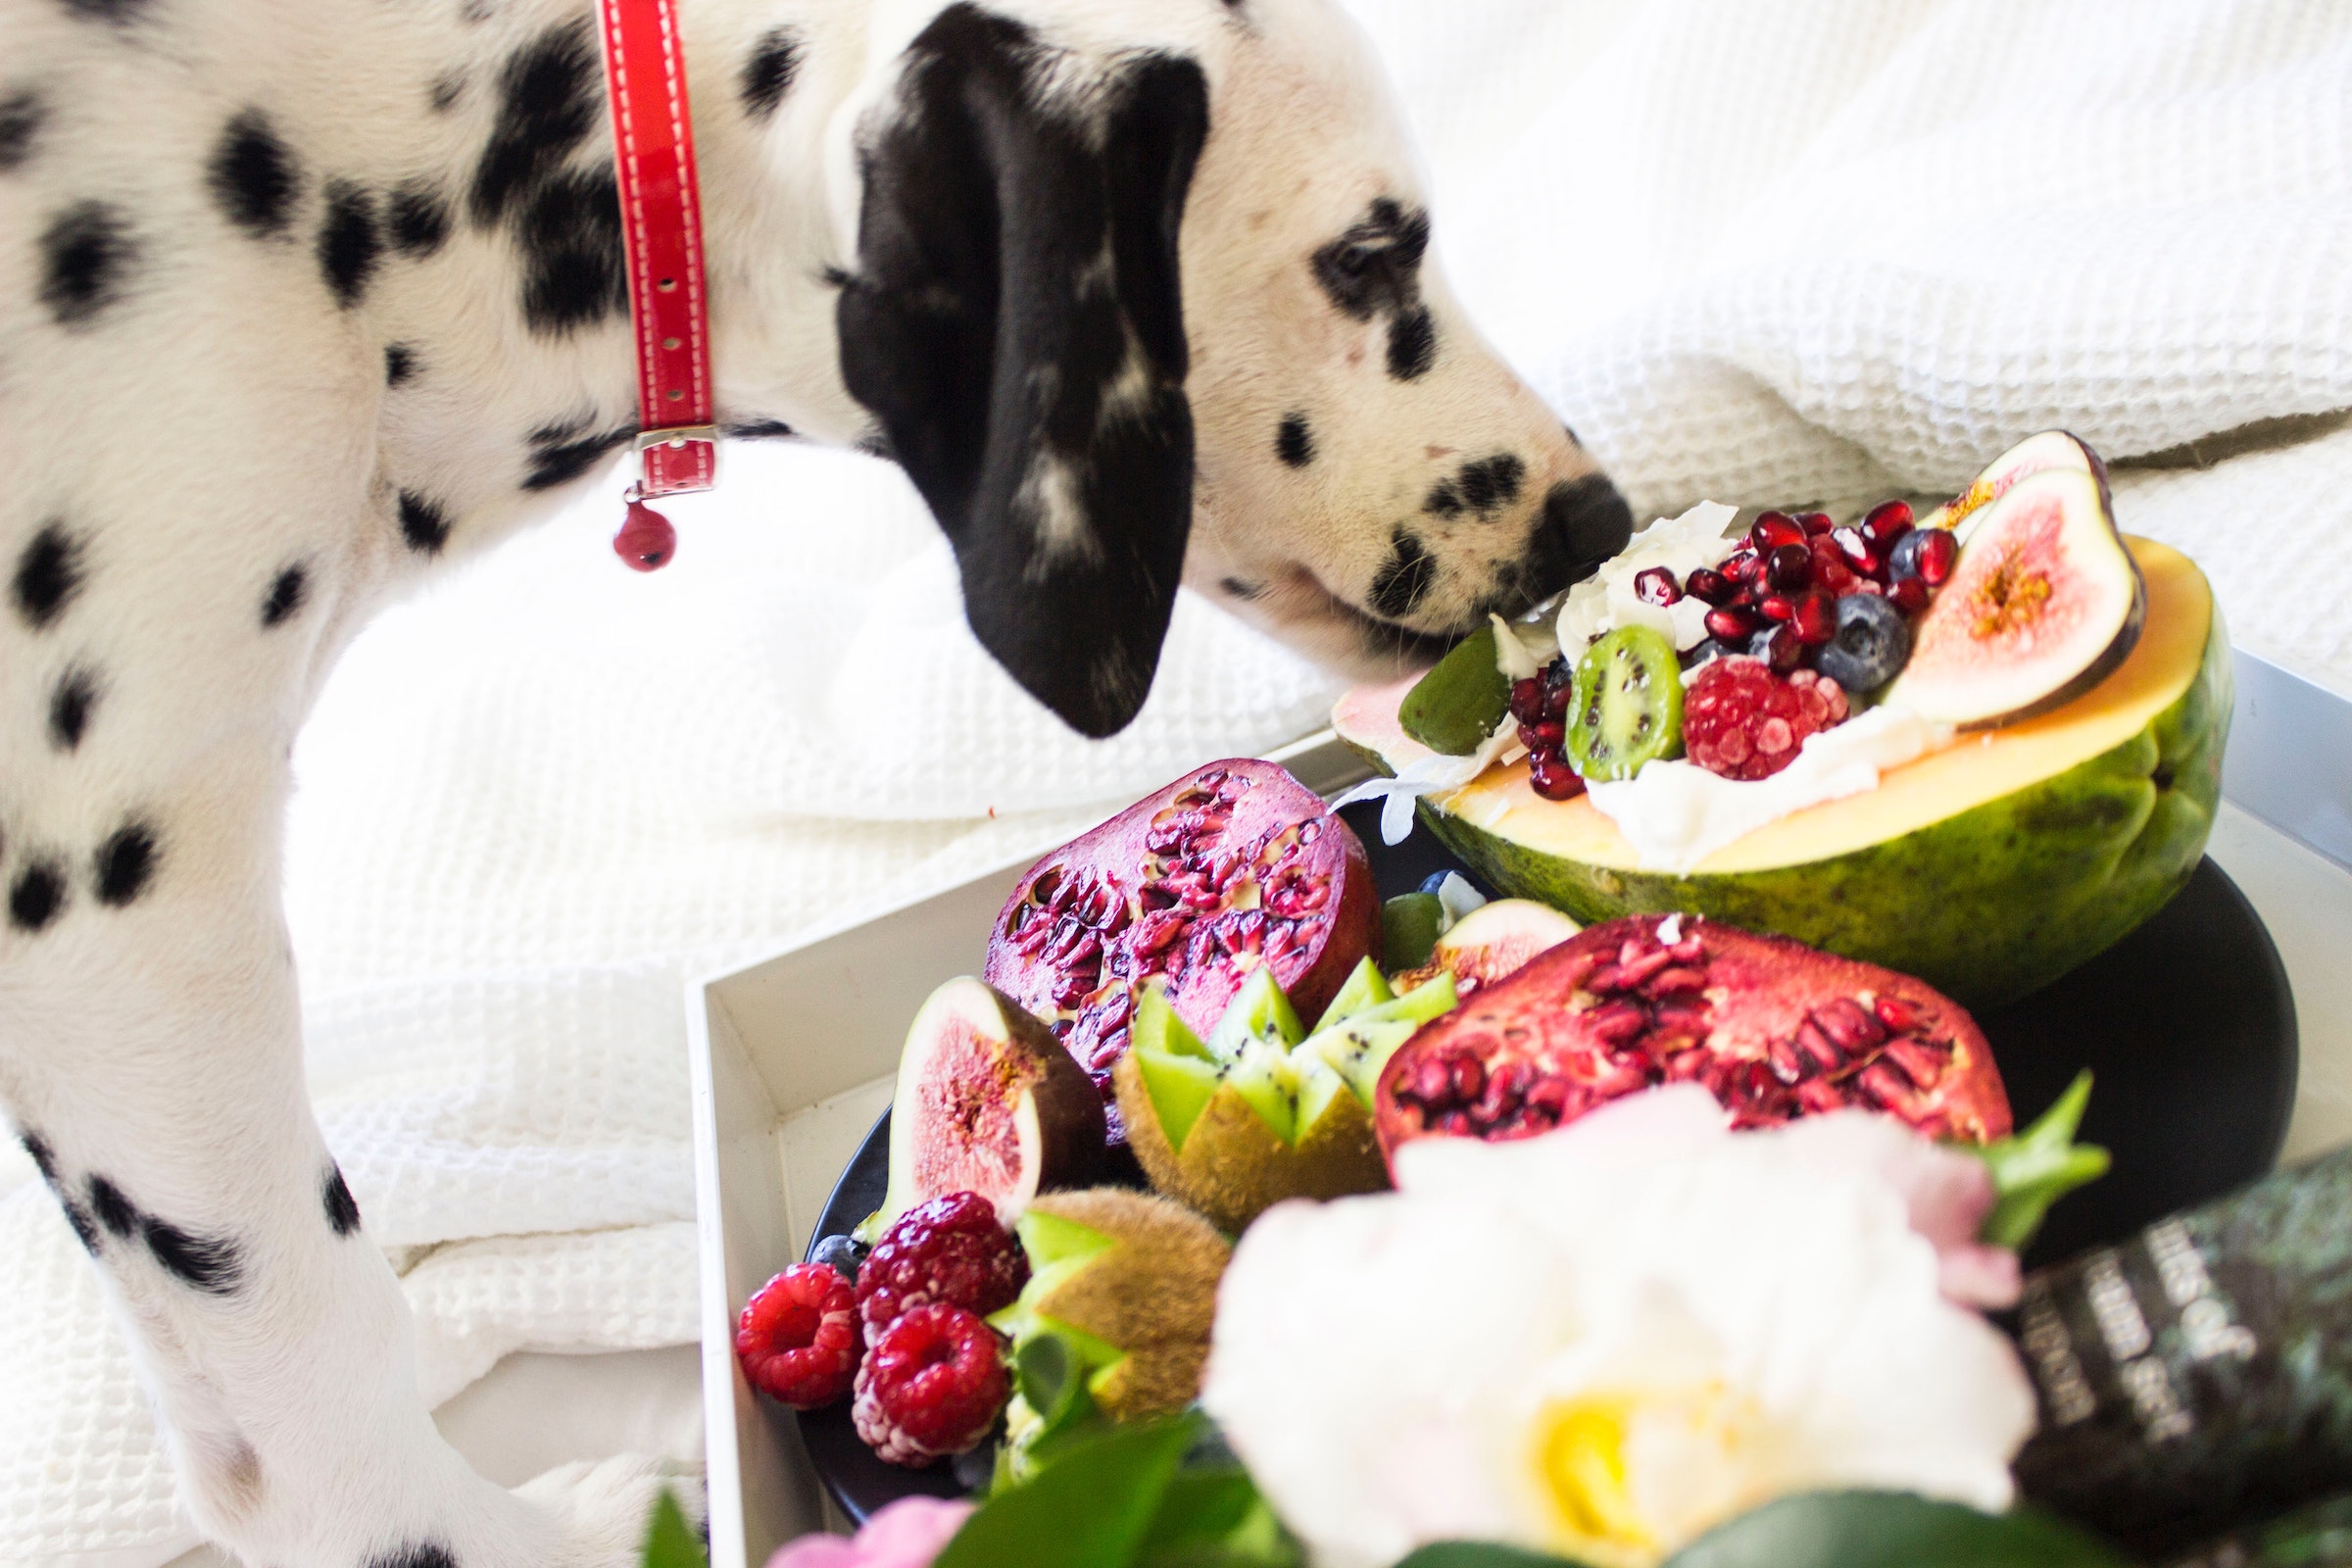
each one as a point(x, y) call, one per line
point(1116, 1317)
point(1263, 1110)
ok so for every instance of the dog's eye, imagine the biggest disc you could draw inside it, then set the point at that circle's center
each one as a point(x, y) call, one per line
point(1357, 260)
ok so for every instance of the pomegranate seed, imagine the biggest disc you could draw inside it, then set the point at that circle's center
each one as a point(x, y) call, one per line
point(1708, 585)
point(1886, 522)
point(1816, 619)
point(1786, 1065)
point(1818, 1046)
point(1773, 530)
point(1936, 557)
point(1789, 568)
point(1657, 586)
point(1918, 1063)
point(1896, 1014)
point(1815, 522)
point(1678, 979)
point(1550, 776)
point(1740, 565)
point(1545, 737)
point(1781, 649)
point(1857, 552)
point(1730, 624)
point(1469, 1078)
point(1527, 701)
point(1615, 1023)
point(1844, 1022)
point(1911, 594)
point(1777, 607)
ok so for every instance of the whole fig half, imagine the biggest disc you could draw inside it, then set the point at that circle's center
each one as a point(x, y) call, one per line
point(1234, 867)
point(1774, 1029)
point(987, 1103)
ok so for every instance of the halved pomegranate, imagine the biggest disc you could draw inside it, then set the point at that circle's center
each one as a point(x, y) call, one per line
point(1776, 1029)
point(1233, 866)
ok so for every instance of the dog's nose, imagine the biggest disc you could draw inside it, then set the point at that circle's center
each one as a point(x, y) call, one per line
point(1586, 522)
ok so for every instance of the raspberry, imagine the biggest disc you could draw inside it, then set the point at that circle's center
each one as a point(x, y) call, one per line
point(798, 1337)
point(1742, 722)
point(931, 1386)
point(949, 1250)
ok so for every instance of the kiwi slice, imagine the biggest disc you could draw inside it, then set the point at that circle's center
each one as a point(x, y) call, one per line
point(1628, 704)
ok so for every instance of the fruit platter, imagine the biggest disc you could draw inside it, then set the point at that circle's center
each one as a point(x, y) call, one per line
point(1499, 1167)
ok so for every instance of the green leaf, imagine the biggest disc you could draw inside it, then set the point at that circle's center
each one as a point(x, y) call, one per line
point(1214, 1517)
point(2034, 1168)
point(669, 1540)
point(1090, 1510)
point(1891, 1530)
point(1477, 1554)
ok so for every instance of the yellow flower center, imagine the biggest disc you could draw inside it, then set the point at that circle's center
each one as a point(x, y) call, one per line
point(1631, 1476)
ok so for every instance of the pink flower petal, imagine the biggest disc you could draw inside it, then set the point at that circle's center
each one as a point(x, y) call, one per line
point(910, 1532)
point(817, 1551)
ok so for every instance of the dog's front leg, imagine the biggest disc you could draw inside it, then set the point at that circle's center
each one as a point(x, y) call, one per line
point(150, 1055)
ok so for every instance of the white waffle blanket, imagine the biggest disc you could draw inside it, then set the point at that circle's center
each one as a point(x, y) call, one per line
point(1816, 249)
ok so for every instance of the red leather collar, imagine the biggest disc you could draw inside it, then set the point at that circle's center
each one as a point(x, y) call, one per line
point(662, 231)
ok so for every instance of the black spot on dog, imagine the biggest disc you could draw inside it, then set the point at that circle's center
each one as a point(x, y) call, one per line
point(37, 897)
point(118, 12)
point(48, 575)
point(20, 116)
point(114, 1211)
point(1375, 264)
point(1569, 431)
point(349, 241)
point(1412, 345)
point(70, 707)
point(446, 91)
point(548, 101)
point(562, 453)
point(1444, 500)
point(400, 362)
point(125, 864)
point(1405, 578)
point(342, 1209)
point(86, 253)
point(759, 430)
point(252, 176)
point(768, 75)
point(1492, 483)
point(208, 1264)
point(1294, 441)
point(574, 271)
point(85, 1229)
point(44, 1159)
point(418, 220)
point(432, 1555)
point(287, 591)
point(422, 524)
point(1243, 588)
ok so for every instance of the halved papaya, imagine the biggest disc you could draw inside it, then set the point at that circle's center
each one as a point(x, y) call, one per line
point(1986, 869)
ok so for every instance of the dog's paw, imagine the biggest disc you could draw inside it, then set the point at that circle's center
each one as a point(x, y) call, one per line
point(604, 1508)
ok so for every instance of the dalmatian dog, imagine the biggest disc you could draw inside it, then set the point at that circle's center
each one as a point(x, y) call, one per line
point(303, 300)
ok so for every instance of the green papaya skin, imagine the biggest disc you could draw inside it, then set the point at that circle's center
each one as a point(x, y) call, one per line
point(1986, 906)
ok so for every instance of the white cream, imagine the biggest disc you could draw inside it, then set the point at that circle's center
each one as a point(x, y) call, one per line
point(1675, 814)
point(1606, 600)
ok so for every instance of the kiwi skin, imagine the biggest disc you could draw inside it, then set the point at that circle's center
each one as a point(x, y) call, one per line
point(1234, 1167)
point(1153, 1294)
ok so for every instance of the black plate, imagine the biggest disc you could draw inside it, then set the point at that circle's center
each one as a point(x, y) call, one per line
point(2187, 1022)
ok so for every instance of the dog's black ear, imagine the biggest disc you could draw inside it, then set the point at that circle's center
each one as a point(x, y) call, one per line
point(1017, 324)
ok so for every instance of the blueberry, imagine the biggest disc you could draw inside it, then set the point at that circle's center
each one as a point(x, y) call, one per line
point(843, 1253)
point(1431, 883)
point(1904, 560)
point(1705, 650)
point(1872, 643)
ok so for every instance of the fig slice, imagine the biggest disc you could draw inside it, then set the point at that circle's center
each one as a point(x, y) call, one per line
point(2051, 449)
point(987, 1103)
point(1774, 1029)
point(1491, 942)
point(1234, 868)
point(2044, 602)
